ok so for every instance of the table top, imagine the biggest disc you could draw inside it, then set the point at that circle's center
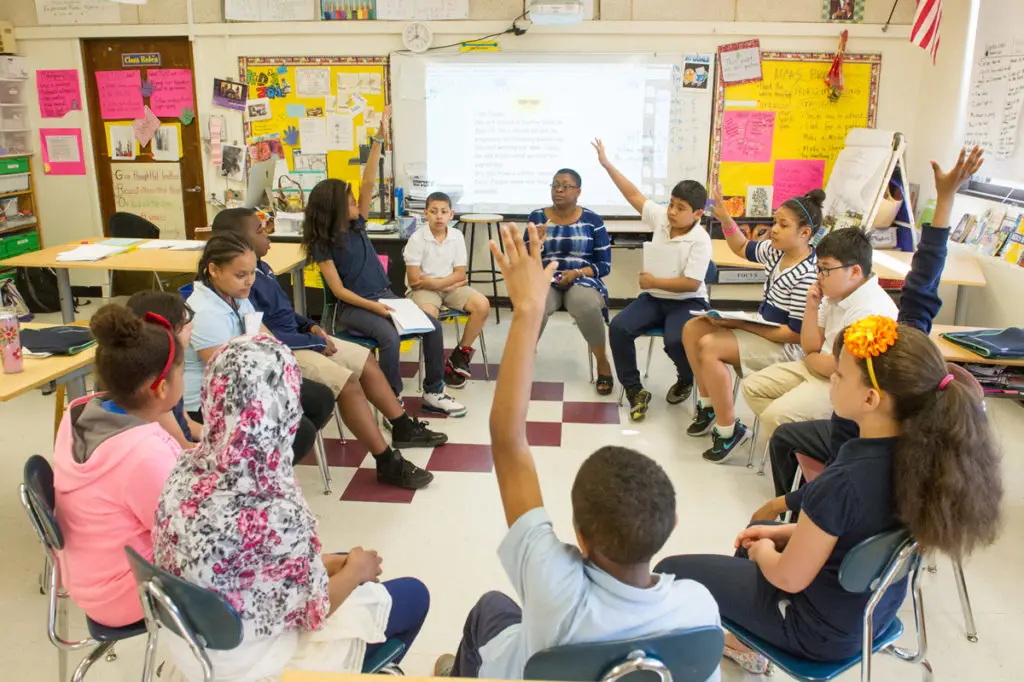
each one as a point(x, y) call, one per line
point(961, 267)
point(38, 372)
point(282, 257)
point(954, 353)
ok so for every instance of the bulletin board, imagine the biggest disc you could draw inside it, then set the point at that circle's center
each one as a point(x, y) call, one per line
point(783, 132)
point(355, 87)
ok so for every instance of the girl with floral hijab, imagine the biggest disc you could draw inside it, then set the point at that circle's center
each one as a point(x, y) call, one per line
point(232, 519)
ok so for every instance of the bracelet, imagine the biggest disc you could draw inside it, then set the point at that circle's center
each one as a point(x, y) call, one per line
point(730, 228)
point(378, 139)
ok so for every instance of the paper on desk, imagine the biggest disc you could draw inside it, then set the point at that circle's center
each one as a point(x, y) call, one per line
point(89, 253)
point(662, 260)
point(174, 244)
point(754, 318)
point(407, 316)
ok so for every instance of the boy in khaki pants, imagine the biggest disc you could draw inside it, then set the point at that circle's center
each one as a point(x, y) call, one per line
point(435, 266)
point(799, 391)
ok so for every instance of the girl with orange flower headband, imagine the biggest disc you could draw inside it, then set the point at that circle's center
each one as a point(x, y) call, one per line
point(926, 459)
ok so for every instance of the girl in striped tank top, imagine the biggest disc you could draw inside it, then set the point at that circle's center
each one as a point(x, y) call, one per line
point(713, 345)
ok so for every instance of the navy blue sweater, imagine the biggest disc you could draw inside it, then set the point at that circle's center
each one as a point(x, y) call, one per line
point(919, 304)
point(279, 316)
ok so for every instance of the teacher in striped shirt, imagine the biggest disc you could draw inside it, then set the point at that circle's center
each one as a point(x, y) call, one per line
point(576, 239)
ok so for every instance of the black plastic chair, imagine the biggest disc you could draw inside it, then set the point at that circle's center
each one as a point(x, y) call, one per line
point(690, 655)
point(204, 619)
point(130, 226)
point(37, 497)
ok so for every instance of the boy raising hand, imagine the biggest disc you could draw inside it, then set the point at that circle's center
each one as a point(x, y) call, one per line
point(623, 512)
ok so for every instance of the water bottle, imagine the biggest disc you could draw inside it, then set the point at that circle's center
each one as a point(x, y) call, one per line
point(399, 202)
point(10, 341)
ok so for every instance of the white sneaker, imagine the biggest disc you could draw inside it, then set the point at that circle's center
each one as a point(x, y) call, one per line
point(443, 403)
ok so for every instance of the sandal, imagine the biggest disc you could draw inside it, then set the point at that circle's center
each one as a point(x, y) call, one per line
point(751, 661)
point(605, 384)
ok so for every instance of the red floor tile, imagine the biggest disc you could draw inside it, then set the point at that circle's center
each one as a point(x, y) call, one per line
point(462, 458)
point(349, 453)
point(408, 368)
point(364, 488)
point(414, 407)
point(547, 390)
point(477, 371)
point(544, 434)
point(590, 413)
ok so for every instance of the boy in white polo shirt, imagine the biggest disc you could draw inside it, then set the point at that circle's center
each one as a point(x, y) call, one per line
point(799, 391)
point(666, 303)
point(435, 269)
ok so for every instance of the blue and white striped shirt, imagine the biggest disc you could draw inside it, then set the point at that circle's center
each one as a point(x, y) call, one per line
point(582, 244)
point(785, 291)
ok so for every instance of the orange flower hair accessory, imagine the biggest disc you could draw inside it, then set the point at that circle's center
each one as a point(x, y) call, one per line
point(869, 338)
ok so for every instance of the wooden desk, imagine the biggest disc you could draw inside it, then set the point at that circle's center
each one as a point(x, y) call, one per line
point(954, 353)
point(283, 258)
point(38, 372)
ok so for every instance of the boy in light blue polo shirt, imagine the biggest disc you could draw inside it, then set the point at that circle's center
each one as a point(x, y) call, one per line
point(623, 511)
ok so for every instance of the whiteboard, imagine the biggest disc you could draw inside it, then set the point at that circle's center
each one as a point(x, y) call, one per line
point(271, 10)
point(495, 127)
point(996, 90)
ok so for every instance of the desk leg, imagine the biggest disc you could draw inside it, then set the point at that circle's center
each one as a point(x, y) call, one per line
point(67, 301)
point(299, 289)
point(960, 313)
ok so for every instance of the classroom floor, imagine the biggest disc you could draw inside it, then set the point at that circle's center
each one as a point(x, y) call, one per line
point(447, 534)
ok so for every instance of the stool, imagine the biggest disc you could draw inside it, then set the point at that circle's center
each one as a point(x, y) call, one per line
point(483, 275)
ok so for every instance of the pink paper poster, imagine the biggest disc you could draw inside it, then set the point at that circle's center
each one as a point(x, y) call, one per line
point(747, 136)
point(62, 151)
point(58, 92)
point(795, 178)
point(145, 127)
point(120, 96)
point(172, 91)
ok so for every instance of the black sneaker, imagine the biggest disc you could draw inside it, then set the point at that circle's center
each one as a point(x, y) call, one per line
point(453, 379)
point(703, 420)
point(678, 393)
point(639, 401)
point(402, 473)
point(415, 434)
point(458, 361)
point(721, 447)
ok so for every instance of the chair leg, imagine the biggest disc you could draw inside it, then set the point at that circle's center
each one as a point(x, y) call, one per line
point(965, 601)
point(764, 460)
point(321, 460)
point(650, 354)
point(483, 354)
point(422, 370)
point(159, 282)
point(111, 655)
point(754, 432)
point(590, 363)
point(337, 422)
point(87, 662)
point(149, 663)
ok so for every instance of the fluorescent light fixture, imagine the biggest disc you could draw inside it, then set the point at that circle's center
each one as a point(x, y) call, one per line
point(556, 12)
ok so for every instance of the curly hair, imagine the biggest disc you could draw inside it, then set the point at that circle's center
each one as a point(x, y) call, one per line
point(947, 476)
point(326, 217)
point(623, 504)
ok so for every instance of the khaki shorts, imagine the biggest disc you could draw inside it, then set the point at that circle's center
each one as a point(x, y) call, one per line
point(336, 370)
point(757, 352)
point(456, 300)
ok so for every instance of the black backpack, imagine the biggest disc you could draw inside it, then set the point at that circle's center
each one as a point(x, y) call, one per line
point(39, 288)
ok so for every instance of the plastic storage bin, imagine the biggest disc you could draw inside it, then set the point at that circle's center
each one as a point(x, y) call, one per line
point(17, 182)
point(14, 117)
point(10, 91)
point(15, 142)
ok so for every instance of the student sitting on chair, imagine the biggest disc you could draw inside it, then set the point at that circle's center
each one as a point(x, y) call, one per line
point(798, 390)
point(334, 236)
point(111, 459)
point(315, 398)
point(624, 510)
point(435, 267)
point(666, 303)
point(232, 519)
point(715, 344)
point(925, 459)
point(348, 369)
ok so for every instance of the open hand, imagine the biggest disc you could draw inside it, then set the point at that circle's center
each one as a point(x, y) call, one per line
point(382, 309)
point(526, 280)
point(719, 209)
point(602, 158)
point(967, 164)
point(365, 564)
point(542, 232)
point(385, 123)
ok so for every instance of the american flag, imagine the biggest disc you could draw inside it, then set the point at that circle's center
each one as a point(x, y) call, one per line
point(925, 32)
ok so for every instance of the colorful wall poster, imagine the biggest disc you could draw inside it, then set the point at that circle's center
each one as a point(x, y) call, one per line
point(120, 94)
point(172, 91)
point(62, 151)
point(58, 92)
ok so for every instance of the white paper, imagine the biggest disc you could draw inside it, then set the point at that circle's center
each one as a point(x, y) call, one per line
point(252, 323)
point(270, 10)
point(312, 82)
point(88, 253)
point(64, 12)
point(662, 260)
point(993, 112)
point(375, 84)
point(407, 316)
point(62, 149)
point(356, 107)
point(339, 132)
point(348, 84)
point(258, 109)
point(313, 135)
point(755, 318)
point(741, 65)
point(165, 144)
point(173, 244)
point(423, 10)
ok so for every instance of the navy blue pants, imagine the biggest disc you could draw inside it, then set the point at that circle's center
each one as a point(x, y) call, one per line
point(410, 602)
point(642, 315)
point(492, 614)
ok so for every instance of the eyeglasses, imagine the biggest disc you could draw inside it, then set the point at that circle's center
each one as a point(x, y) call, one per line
point(562, 186)
point(825, 272)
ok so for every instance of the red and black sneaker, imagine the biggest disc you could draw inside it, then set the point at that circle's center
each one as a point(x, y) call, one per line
point(458, 361)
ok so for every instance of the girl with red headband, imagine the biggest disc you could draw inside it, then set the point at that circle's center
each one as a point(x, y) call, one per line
point(111, 460)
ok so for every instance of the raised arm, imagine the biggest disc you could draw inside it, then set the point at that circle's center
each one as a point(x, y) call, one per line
point(527, 282)
point(370, 171)
point(628, 190)
point(734, 237)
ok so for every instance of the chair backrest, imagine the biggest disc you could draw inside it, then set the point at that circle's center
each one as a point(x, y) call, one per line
point(711, 276)
point(206, 616)
point(864, 565)
point(383, 261)
point(690, 655)
point(185, 290)
point(329, 297)
point(38, 494)
point(131, 226)
point(810, 467)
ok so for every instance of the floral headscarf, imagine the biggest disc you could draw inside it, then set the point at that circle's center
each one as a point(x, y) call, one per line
point(231, 516)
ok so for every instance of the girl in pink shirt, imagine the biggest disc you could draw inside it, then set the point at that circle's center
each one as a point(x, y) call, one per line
point(111, 460)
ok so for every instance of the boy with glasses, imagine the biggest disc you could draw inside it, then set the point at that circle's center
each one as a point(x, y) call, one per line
point(435, 269)
point(799, 391)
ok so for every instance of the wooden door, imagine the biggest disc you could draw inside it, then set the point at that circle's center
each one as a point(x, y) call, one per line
point(145, 186)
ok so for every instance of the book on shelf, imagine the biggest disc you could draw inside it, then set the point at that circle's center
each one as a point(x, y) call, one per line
point(990, 222)
point(964, 228)
point(1008, 227)
point(1014, 249)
